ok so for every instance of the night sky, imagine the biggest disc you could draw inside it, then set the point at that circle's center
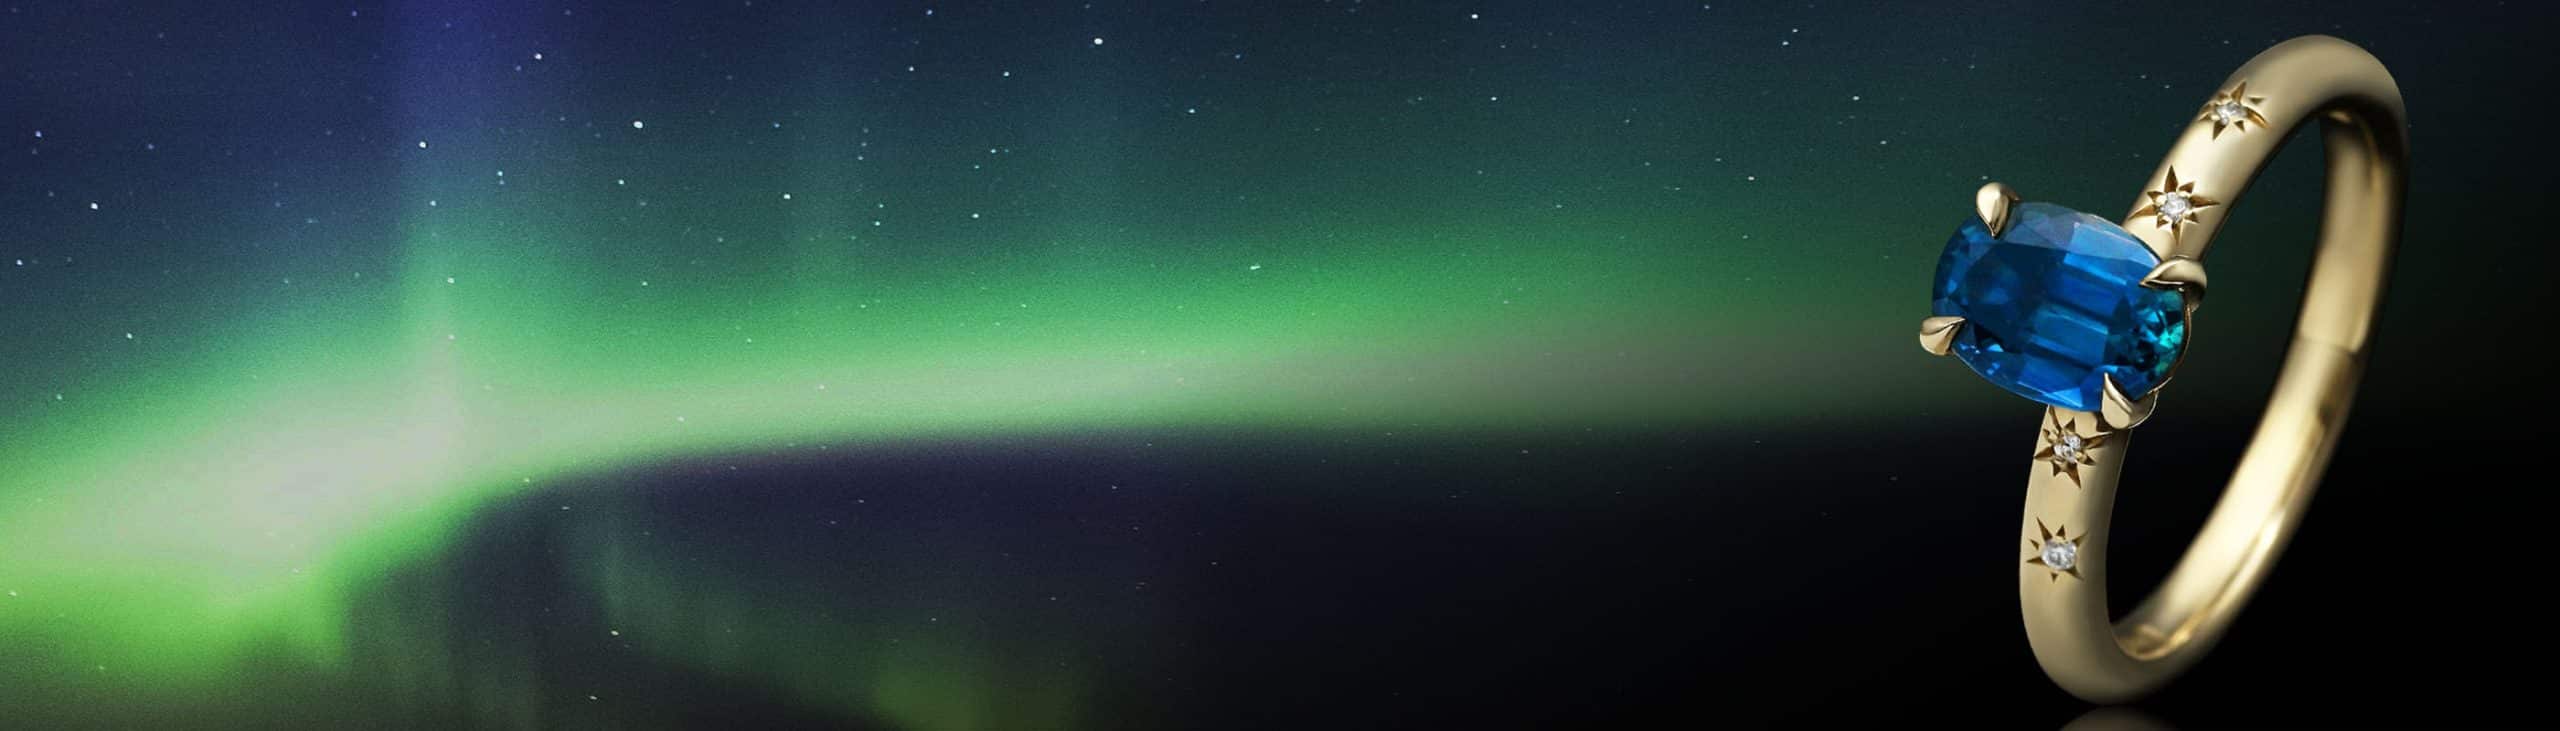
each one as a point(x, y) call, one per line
point(1108, 365)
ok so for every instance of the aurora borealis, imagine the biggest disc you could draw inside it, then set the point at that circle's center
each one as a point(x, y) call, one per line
point(308, 306)
point(533, 269)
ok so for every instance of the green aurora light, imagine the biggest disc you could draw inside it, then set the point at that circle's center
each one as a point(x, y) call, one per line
point(230, 505)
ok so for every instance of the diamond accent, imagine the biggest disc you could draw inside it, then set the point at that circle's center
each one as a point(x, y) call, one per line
point(2055, 550)
point(2174, 206)
point(2065, 448)
point(2230, 112)
point(2062, 555)
point(2174, 203)
point(2234, 109)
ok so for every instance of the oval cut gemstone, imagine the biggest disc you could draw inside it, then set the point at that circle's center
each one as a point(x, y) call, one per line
point(2056, 305)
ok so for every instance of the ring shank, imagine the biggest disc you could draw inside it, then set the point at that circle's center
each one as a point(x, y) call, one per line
point(2359, 108)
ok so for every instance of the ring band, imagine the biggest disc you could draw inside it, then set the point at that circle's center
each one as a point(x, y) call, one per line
point(2062, 308)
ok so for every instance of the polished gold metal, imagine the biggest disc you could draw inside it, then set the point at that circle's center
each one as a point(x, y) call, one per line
point(1938, 334)
point(2182, 274)
point(2358, 107)
point(2120, 412)
point(1992, 203)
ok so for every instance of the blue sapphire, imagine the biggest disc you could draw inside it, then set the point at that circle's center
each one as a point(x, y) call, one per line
point(2056, 304)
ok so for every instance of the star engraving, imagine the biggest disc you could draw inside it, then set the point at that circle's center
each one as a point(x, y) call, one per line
point(2067, 449)
point(2057, 551)
point(2174, 204)
point(2235, 109)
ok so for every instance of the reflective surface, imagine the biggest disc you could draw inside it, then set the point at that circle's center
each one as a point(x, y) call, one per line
point(2353, 99)
point(1304, 581)
point(2055, 307)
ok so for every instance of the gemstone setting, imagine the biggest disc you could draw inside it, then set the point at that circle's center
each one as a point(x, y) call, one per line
point(2061, 555)
point(2175, 203)
point(2175, 206)
point(2229, 111)
point(2054, 307)
point(2234, 109)
point(2055, 550)
point(2064, 447)
point(2067, 449)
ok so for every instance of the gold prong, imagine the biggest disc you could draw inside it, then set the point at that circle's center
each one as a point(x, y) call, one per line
point(2124, 412)
point(1938, 334)
point(2178, 273)
point(1992, 202)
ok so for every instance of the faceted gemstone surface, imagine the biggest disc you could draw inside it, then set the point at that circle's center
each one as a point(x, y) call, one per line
point(2056, 305)
point(2175, 206)
point(2229, 111)
point(2060, 554)
point(2067, 449)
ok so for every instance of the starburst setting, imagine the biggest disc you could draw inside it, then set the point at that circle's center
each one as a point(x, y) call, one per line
point(2175, 203)
point(2066, 449)
point(2056, 550)
point(2234, 109)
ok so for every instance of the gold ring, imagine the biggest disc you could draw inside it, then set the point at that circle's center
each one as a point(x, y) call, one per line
point(2091, 317)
